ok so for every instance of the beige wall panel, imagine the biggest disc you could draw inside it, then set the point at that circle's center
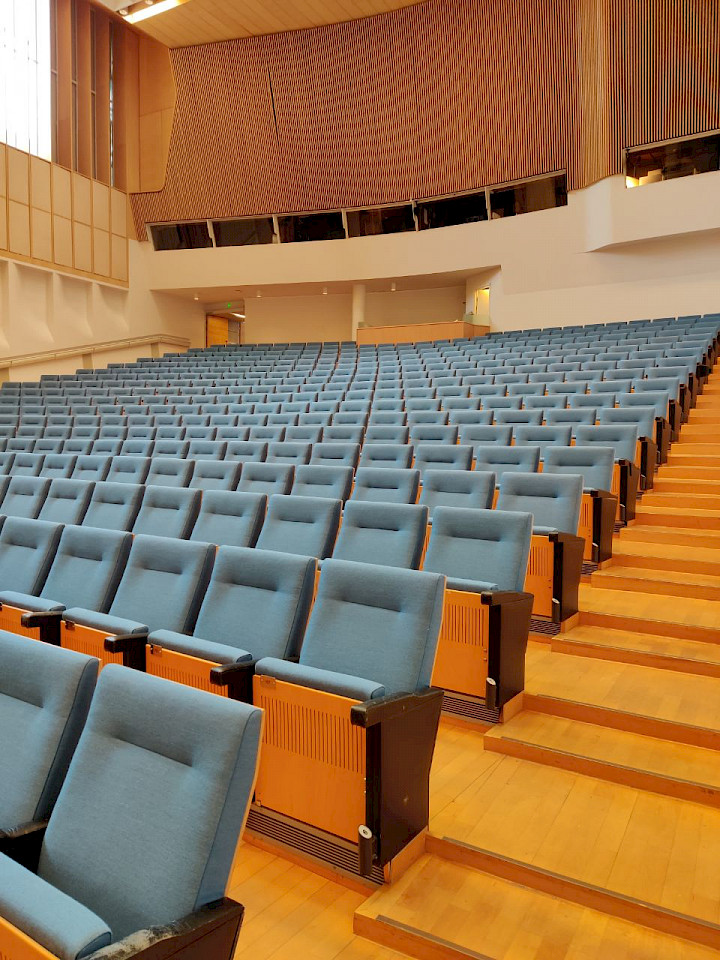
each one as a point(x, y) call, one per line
point(62, 241)
point(101, 252)
point(82, 199)
point(3, 225)
point(41, 235)
point(18, 175)
point(118, 213)
point(62, 192)
point(40, 194)
point(3, 170)
point(119, 258)
point(101, 206)
point(19, 228)
point(82, 242)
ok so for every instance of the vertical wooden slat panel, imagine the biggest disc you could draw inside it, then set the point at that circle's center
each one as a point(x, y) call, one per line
point(84, 97)
point(102, 96)
point(64, 83)
point(122, 91)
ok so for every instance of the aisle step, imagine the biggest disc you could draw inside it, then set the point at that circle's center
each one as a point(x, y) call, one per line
point(684, 485)
point(700, 498)
point(646, 763)
point(443, 909)
point(647, 649)
point(674, 583)
point(696, 518)
point(704, 539)
point(693, 619)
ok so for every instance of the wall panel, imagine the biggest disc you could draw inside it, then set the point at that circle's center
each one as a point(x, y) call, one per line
point(441, 97)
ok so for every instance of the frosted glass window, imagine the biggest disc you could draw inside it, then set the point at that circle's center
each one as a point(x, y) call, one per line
point(25, 86)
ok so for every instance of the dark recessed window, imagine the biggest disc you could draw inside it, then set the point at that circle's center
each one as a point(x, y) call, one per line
point(528, 197)
point(316, 226)
point(671, 160)
point(181, 236)
point(240, 233)
point(368, 223)
point(451, 211)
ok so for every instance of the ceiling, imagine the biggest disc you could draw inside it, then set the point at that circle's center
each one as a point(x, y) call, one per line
point(207, 21)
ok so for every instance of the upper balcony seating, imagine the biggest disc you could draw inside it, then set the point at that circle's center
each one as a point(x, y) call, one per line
point(363, 678)
point(154, 760)
point(556, 551)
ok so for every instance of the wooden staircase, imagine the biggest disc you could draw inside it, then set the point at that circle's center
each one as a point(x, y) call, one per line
point(588, 825)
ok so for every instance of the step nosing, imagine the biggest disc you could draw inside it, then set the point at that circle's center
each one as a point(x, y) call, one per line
point(646, 653)
point(450, 945)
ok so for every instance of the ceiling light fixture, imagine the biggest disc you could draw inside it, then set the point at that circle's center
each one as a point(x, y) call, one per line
point(240, 316)
point(152, 9)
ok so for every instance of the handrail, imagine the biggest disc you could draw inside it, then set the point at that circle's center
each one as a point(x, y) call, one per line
point(27, 359)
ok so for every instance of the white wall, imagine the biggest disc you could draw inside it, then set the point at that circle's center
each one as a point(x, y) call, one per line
point(611, 254)
point(43, 310)
point(415, 306)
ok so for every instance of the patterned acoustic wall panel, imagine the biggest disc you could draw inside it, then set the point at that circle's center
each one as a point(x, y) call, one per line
point(441, 97)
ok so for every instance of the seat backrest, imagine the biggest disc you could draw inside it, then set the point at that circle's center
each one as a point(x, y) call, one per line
point(163, 582)
point(267, 478)
point(543, 436)
point(169, 472)
point(553, 499)
point(594, 464)
point(394, 455)
point(443, 456)
point(642, 417)
point(45, 695)
point(488, 547)
point(91, 467)
point(87, 567)
point(172, 769)
point(24, 497)
point(622, 437)
point(114, 506)
point(657, 399)
point(258, 600)
point(230, 517)
point(393, 533)
point(27, 548)
point(67, 501)
point(27, 464)
point(289, 452)
point(375, 622)
point(301, 525)
point(215, 475)
point(522, 417)
point(457, 488)
point(206, 449)
point(486, 434)
point(58, 465)
point(501, 460)
point(336, 454)
point(314, 480)
point(246, 450)
point(177, 449)
point(168, 512)
point(386, 485)
point(128, 469)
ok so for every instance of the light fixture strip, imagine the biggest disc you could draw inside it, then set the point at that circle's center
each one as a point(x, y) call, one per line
point(143, 11)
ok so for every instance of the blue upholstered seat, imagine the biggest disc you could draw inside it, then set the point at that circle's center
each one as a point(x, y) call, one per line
point(155, 760)
point(24, 497)
point(128, 469)
point(332, 454)
point(642, 417)
point(306, 526)
point(384, 434)
point(27, 464)
point(386, 485)
point(67, 501)
point(267, 478)
point(482, 434)
point(289, 452)
point(177, 449)
point(168, 512)
point(206, 449)
point(215, 475)
point(457, 488)
point(622, 437)
point(313, 480)
point(395, 455)
point(245, 451)
point(45, 695)
point(256, 605)
point(594, 464)
point(500, 460)
point(27, 548)
point(553, 499)
point(388, 533)
point(114, 506)
point(372, 632)
point(230, 517)
point(58, 465)
point(551, 435)
point(479, 550)
point(443, 456)
point(170, 472)
point(91, 468)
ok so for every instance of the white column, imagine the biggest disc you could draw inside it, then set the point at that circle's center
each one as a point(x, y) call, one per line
point(359, 291)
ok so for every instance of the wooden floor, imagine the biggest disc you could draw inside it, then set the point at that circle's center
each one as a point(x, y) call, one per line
point(588, 825)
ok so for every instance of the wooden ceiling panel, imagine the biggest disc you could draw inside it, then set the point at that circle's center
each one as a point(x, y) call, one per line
point(207, 21)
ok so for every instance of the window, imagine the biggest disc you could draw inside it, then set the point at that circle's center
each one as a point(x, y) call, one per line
point(666, 161)
point(452, 210)
point(25, 74)
point(317, 226)
point(541, 194)
point(240, 233)
point(366, 223)
point(181, 236)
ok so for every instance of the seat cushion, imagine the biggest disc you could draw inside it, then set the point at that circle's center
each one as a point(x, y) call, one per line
point(197, 647)
point(60, 924)
point(25, 601)
point(341, 684)
point(103, 622)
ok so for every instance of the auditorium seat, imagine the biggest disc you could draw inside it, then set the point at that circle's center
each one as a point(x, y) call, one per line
point(27, 548)
point(364, 672)
point(206, 449)
point(24, 496)
point(623, 438)
point(267, 478)
point(27, 464)
point(246, 451)
point(442, 456)
point(332, 454)
point(128, 469)
point(494, 458)
point(307, 526)
point(471, 489)
point(289, 452)
point(45, 696)
point(556, 551)
point(91, 468)
point(314, 480)
point(256, 605)
point(151, 752)
point(215, 475)
point(170, 472)
point(67, 501)
point(386, 485)
point(113, 506)
point(168, 512)
point(389, 533)
point(393, 455)
point(105, 448)
point(645, 421)
point(161, 587)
